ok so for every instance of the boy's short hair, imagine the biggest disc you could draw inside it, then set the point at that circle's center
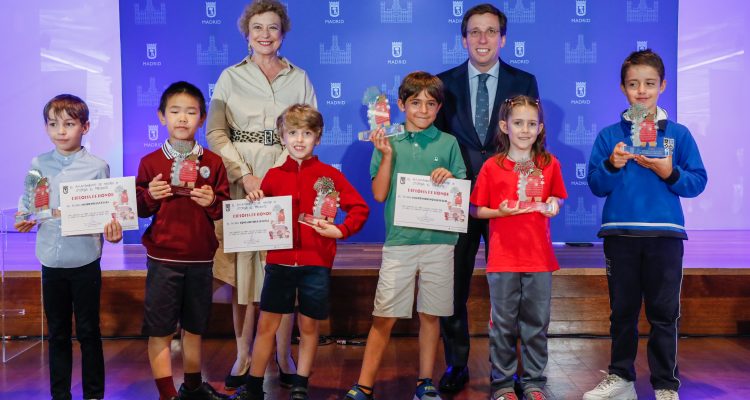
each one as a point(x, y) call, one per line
point(485, 8)
point(183, 87)
point(261, 7)
point(300, 116)
point(643, 57)
point(72, 105)
point(416, 82)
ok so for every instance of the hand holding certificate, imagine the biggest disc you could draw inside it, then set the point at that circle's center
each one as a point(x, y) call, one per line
point(258, 225)
point(420, 203)
point(87, 206)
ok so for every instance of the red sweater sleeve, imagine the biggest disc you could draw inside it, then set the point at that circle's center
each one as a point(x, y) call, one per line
point(147, 206)
point(354, 205)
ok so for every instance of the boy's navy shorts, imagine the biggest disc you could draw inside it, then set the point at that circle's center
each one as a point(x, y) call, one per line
point(177, 292)
point(283, 284)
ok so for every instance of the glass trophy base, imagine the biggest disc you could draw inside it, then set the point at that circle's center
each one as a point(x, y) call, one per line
point(532, 205)
point(311, 220)
point(181, 190)
point(653, 152)
point(390, 130)
point(23, 217)
point(40, 215)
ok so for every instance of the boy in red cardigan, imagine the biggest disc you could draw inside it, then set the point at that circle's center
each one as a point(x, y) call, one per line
point(304, 269)
point(180, 242)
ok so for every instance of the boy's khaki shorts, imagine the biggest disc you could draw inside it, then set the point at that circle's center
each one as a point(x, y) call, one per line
point(433, 263)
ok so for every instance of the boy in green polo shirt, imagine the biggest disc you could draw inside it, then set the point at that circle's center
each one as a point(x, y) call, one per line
point(409, 253)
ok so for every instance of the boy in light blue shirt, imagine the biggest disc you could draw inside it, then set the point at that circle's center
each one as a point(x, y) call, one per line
point(71, 274)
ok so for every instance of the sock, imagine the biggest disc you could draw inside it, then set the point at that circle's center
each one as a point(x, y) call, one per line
point(193, 380)
point(254, 384)
point(300, 381)
point(365, 389)
point(166, 388)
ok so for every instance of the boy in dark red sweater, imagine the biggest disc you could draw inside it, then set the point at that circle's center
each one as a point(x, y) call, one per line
point(180, 242)
point(304, 269)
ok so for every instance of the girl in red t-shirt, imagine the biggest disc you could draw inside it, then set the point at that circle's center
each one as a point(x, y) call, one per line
point(518, 190)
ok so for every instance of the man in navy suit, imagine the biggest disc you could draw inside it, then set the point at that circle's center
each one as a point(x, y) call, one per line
point(474, 91)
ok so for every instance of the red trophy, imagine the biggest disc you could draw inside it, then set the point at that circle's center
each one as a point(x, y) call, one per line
point(378, 114)
point(184, 168)
point(643, 133)
point(530, 187)
point(35, 198)
point(326, 203)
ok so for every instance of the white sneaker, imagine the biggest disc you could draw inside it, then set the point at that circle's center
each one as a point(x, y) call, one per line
point(666, 394)
point(612, 387)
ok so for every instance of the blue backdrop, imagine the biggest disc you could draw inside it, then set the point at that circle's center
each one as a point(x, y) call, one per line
point(574, 47)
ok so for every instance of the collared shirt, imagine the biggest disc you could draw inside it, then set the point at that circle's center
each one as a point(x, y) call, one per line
point(245, 100)
point(298, 180)
point(494, 73)
point(418, 153)
point(52, 249)
point(171, 153)
point(661, 115)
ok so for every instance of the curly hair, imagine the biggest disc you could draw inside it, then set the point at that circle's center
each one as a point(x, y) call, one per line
point(261, 7)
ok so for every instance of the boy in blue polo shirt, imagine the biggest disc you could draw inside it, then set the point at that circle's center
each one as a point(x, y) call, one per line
point(409, 253)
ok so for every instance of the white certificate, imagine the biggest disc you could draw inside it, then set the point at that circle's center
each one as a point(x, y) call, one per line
point(86, 206)
point(422, 204)
point(265, 224)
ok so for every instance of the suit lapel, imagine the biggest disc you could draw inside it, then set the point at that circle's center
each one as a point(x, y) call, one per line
point(500, 95)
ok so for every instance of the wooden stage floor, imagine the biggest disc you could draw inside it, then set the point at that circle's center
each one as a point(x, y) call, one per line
point(711, 368)
point(715, 295)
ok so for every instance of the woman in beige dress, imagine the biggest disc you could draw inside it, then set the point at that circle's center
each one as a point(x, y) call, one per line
point(247, 99)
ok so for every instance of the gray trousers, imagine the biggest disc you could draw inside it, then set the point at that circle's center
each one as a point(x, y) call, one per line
point(520, 310)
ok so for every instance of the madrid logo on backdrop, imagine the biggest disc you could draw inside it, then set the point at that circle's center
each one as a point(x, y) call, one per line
point(153, 137)
point(581, 172)
point(397, 52)
point(151, 51)
point(457, 12)
point(581, 11)
point(580, 89)
point(334, 12)
point(580, 94)
point(335, 95)
point(519, 51)
point(151, 54)
point(211, 14)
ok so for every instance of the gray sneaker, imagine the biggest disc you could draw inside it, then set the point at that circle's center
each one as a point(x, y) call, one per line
point(612, 387)
point(666, 394)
